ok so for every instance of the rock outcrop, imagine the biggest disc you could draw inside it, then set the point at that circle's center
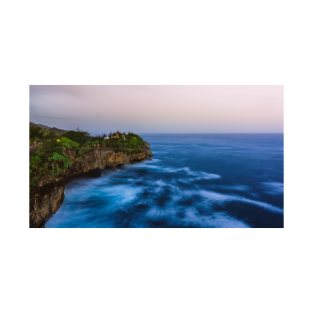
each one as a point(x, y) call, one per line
point(48, 195)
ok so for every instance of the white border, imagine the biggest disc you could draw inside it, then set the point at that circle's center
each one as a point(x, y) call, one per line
point(156, 42)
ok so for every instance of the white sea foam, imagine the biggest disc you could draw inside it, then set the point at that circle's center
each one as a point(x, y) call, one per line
point(225, 221)
point(146, 165)
point(273, 188)
point(154, 160)
point(235, 188)
point(158, 213)
point(218, 219)
point(123, 193)
point(161, 183)
point(193, 175)
point(218, 197)
point(208, 176)
point(201, 174)
point(214, 196)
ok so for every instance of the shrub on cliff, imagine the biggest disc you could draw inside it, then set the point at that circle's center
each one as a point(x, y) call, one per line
point(67, 143)
point(128, 143)
point(60, 163)
point(78, 136)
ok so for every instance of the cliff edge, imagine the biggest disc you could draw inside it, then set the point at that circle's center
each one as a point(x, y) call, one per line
point(57, 156)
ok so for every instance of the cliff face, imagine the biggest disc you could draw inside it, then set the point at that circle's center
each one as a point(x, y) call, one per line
point(44, 202)
point(48, 195)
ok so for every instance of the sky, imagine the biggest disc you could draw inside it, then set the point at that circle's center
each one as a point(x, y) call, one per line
point(159, 109)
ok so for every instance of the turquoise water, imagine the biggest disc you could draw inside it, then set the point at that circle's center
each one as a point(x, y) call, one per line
point(192, 181)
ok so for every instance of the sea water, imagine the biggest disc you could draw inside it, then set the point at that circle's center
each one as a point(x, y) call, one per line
point(193, 180)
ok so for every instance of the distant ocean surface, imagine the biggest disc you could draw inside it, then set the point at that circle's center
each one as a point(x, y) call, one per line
point(192, 181)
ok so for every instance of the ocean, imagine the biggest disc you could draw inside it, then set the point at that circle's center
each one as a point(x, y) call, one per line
point(193, 180)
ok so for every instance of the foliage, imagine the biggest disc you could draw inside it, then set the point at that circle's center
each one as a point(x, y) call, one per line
point(68, 143)
point(56, 151)
point(35, 132)
point(60, 163)
point(129, 143)
point(78, 136)
point(57, 157)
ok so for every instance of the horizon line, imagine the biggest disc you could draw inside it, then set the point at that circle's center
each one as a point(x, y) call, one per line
point(172, 133)
point(215, 133)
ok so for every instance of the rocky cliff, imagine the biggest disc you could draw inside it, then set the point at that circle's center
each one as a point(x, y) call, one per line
point(52, 167)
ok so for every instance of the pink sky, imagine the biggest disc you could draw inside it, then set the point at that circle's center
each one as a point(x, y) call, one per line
point(177, 109)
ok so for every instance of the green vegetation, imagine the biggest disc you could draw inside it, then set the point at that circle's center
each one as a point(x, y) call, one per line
point(128, 143)
point(78, 136)
point(53, 152)
point(67, 143)
point(41, 132)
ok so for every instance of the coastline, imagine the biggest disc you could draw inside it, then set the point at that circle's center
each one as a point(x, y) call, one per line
point(47, 197)
point(57, 156)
